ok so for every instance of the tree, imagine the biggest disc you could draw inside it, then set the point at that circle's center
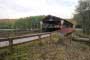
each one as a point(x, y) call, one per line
point(83, 15)
point(27, 23)
point(20, 24)
point(6, 25)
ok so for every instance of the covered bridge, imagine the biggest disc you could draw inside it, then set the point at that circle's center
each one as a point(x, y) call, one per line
point(53, 23)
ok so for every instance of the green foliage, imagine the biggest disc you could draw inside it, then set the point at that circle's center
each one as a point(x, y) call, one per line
point(83, 15)
point(5, 25)
point(34, 50)
point(23, 23)
point(29, 22)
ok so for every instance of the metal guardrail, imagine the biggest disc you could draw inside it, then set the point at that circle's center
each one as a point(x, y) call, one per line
point(4, 42)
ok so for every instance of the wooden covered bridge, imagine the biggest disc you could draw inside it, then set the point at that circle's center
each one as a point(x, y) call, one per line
point(53, 23)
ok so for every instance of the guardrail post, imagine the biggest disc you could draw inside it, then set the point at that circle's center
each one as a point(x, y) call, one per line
point(50, 36)
point(10, 45)
point(39, 36)
point(40, 39)
point(11, 48)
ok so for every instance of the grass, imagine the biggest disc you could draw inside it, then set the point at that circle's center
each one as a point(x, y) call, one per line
point(28, 51)
point(48, 49)
point(81, 34)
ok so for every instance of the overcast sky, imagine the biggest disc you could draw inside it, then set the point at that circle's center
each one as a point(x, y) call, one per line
point(23, 8)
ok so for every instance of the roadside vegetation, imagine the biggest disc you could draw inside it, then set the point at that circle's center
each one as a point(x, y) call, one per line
point(83, 15)
point(21, 26)
point(47, 49)
point(23, 23)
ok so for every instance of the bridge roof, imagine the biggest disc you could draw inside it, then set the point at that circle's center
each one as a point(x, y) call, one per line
point(56, 20)
point(72, 21)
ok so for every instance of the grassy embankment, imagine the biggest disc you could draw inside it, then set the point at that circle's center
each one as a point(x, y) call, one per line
point(48, 49)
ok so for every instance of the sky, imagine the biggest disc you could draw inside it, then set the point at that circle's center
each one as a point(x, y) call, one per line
point(25, 8)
